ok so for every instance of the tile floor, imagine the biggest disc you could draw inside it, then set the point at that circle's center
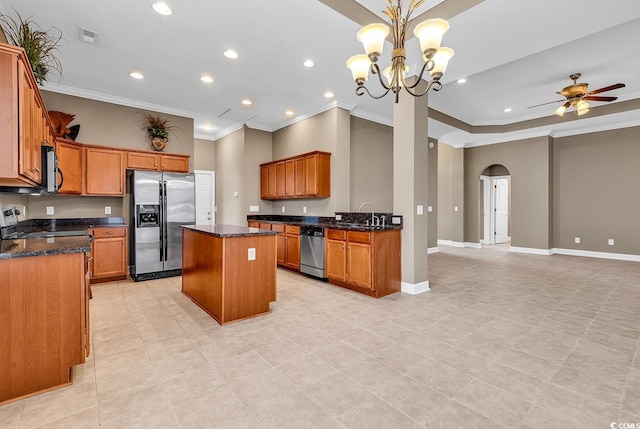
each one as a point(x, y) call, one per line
point(502, 340)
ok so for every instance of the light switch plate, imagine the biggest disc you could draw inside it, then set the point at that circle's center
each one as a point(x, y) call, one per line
point(50, 210)
point(395, 220)
point(577, 240)
point(420, 209)
point(429, 209)
point(251, 254)
point(304, 209)
point(610, 241)
point(107, 209)
point(455, 209)
point(254, 208)
point(338, 217)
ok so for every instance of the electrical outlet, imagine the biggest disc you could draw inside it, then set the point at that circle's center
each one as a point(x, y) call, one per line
point(611, 242)
point(282, 209)
point(430, 209)
point(304, 209)
point(107, 209)
point(395, 220)
point(50, 210)
point(577, 240)
point(251, 254)
point(338, 217)
point(420, 209)
point(455, 209)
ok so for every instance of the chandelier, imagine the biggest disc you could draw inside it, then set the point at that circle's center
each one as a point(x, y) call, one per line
point(372, 36)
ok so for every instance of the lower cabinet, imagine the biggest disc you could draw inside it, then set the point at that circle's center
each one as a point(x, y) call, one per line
point(109, 249)
point(368, 262)
point(292, 247)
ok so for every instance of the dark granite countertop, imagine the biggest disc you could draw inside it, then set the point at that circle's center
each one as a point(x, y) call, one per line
point(348, 224)
point(19, 248)
point(72, 224)
point(225, 231)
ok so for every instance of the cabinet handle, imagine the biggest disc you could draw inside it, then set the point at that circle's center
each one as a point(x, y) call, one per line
point(36, 169)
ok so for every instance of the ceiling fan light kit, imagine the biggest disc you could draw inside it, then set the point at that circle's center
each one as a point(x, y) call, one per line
point(372, 36)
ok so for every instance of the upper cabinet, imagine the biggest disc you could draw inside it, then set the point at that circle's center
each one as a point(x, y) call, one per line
point(104, 171)
point(70, 163)
point(302, 176)
point(157, 162)
point(24, 121)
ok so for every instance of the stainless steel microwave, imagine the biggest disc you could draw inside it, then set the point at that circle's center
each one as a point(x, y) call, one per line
point(52, 177)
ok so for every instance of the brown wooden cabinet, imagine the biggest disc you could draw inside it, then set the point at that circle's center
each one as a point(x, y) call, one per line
point(70, 163)
point(369, 262)
point(280, 243)
point(302, 176)
point(104, 171)
point(109, 250)
point(143, 161)
point(175, 163)
point(25, 124)
point(254, 224)
point(292, 247)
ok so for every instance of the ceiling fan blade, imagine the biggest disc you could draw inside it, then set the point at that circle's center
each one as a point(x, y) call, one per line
point(606, 88)
point(598, 98)
point(544, 104)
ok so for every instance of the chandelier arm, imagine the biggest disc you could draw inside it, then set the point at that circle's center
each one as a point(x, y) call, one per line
point(427, 66)
point(362, 89)
point(435, 84)
point(376, 71)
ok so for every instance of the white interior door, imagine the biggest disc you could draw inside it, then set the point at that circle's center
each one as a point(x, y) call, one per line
point(205, 197)
point(487, 236)
point(501, 198)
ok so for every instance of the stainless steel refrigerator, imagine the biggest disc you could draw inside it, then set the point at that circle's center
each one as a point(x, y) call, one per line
point(160, 203)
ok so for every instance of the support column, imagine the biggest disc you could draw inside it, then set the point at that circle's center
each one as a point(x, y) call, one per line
point(410, 187)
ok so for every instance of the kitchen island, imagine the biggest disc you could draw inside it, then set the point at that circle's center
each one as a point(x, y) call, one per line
point(229, 271)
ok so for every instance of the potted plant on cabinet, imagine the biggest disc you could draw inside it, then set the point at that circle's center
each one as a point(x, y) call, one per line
point(38, 45)
point(158, 129)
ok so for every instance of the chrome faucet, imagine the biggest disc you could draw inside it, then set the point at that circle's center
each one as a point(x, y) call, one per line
point(373, 216)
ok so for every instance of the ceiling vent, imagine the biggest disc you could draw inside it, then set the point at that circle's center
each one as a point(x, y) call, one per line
point(237, 115)
point(88, 36)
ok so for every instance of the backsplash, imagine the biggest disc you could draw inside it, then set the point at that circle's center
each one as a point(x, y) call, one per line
point(365, 218)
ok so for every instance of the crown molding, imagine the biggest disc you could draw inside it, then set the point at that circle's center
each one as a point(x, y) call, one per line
point(225, 132)
point(201, 136)
point(371, 117)
point(123, 101)
point(326, 107)
point(596, 128)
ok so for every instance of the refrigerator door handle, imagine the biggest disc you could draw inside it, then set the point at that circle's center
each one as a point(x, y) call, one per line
point(166, 225)
point(161, 220)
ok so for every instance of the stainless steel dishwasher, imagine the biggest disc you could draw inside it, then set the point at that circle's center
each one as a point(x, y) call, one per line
point(312, 250)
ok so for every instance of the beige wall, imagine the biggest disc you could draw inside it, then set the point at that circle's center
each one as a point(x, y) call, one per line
point(257, 150)
point(596, 191)
point(106, 124)
point(229, 179)
point(450, 193)
point(371, 165)
point(204, 155)
point(529, 162)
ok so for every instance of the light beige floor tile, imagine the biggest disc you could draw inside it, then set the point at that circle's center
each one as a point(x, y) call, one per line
point(280, 352)
point(294, 411)
point(305, 369)
point(56, 404)
point(371, 374)
point(143, 409)
point(263, 391)
point(222, 349)
point(340, 355)
point(376, 414)
point(116, 345)
point(513, 381)
point(261, 338)
point(590, 385)
point(336, 394)
point(413, 398)
point(539, 418)
point(86, 419)
point(616, 356)
point(589, 364)
point(398, 357)
point(10, 414)
point(462, 360)
point(456, 416)
point(631, 402)
point(494, 403)
point(366, 342)
point(242, 366)
point(440, 377)
point(529, 364)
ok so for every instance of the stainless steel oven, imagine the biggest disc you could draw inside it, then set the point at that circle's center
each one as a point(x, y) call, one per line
point(312, 250)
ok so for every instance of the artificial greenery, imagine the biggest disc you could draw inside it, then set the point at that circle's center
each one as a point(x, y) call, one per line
point(39, 45)
point(157, 126)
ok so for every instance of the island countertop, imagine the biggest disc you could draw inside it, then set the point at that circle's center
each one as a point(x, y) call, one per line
point(224, 231)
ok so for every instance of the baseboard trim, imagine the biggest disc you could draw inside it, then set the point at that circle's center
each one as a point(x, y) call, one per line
point(593, 254)
point(414, 289)
point(531, 250)
point(431, 250)
point(450, 243)
point(472, 245)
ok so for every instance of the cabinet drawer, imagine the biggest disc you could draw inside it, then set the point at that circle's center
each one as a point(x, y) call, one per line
point(359, 236)
point(265, 225)
point(292, 229)
point(108, 232)
point(277, 227)
point(336, 234)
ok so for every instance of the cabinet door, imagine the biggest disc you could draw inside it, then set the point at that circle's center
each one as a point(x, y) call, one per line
point(143, 161)
point(292, 255)
point(335, 256)
point(264, 182)
point(273, 173)
point(301, 177)
point(70, 163)
point(311, 175)
point(109, 252)
point(290, 178)
point(281, 240)
point(87, 297)
point(281, 179)
point(359, 264)
point(104, 172)
point(254, 224)
point(177, 164)
point(28, 164)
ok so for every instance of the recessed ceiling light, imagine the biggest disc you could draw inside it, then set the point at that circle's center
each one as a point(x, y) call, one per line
point(289, 113)
point(309, 63)
point(328, 94)
point(247, 102)
point(207, 127)
point(462, 80)
point(206, 78)
point(230, 53)
point(162, 8)
point(136, 75)
point(507, 110)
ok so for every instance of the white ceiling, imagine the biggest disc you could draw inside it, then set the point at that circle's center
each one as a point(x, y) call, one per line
point(513, 53)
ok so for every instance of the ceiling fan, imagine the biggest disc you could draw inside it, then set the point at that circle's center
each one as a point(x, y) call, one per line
point(577, 96)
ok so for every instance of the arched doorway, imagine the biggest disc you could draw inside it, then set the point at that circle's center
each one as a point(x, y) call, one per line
point(495, 200)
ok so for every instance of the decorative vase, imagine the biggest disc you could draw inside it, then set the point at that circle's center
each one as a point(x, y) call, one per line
point(158, 143)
